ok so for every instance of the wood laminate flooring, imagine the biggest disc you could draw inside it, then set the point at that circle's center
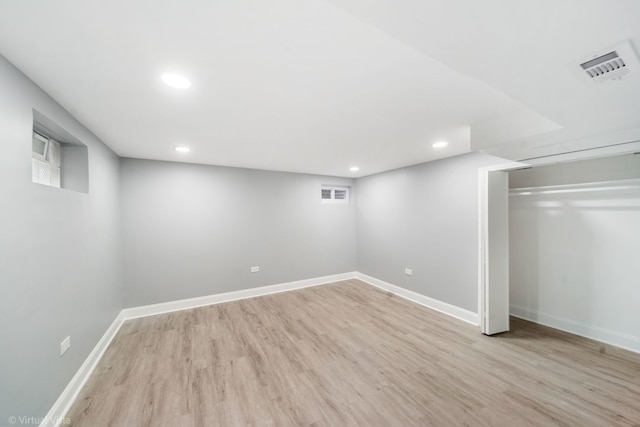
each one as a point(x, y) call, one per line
point(350, 354)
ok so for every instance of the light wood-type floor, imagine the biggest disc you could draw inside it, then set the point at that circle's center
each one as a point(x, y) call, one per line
point(350, 354)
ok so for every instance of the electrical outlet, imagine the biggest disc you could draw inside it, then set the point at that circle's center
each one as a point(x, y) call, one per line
point(255, 269)
point(408, 272)
point(65, 345)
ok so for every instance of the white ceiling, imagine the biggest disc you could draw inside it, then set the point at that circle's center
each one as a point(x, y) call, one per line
point(317, 86)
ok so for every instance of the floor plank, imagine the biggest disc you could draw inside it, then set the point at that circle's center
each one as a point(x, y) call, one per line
point(350, 354)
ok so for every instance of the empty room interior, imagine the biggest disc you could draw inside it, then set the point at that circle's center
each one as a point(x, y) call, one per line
point(329, 212)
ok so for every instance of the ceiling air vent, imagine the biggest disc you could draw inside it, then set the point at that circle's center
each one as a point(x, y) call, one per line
point(611, 64)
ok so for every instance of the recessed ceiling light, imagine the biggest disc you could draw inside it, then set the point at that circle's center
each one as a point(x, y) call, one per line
point(176, 80)
point(182, 149)
point(354, 169)
point(440, 144)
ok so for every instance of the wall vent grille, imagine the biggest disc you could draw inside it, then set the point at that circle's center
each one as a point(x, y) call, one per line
point(611, 64)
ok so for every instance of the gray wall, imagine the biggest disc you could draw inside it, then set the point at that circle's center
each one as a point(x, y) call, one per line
point(150, 232)
point(193, 230)
point(424, 217)
point(60, 269)
point(574, 247)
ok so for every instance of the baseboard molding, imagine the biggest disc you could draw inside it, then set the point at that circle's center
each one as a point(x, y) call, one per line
point(606, 336)
point(171, 306)
point(443, 307)
point(58, 411)
point(56, 416)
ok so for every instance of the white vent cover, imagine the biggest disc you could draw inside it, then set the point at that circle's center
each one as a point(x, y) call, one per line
point(611, 64)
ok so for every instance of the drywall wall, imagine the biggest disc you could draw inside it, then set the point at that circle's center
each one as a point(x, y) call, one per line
point(424, 218)
point(575, 245)
point(60, 268)
point(194, 230)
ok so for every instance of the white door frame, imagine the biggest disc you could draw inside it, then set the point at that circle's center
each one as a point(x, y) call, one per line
point(483, 239)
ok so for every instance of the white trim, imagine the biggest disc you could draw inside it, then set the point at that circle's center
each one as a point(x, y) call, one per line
point(606, 336)
point(434, 304)
point(509, 165)
point(483, 176)
point(56, 415)
point(58, 411)
point(627, 144)
point(483, 236)
point(45, 140)
point(171, 306)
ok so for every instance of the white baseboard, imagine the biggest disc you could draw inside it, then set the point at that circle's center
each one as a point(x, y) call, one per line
point(58, 411)
point(607, 336)
point(443, 307)
point(56, 415)
point(168, 307)
point(185, 304)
